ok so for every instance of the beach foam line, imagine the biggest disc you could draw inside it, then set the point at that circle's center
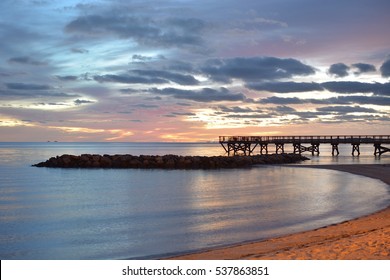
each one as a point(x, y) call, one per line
point(364, 238)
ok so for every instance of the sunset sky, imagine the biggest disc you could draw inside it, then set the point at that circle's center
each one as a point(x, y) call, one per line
point(124, 70)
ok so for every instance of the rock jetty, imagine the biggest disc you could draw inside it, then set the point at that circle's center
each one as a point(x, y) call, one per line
point(166, 161)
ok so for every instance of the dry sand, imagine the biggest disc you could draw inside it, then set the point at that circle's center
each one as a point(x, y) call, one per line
point(363, 238)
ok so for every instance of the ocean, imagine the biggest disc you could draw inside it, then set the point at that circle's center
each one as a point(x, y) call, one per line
point(145, 214)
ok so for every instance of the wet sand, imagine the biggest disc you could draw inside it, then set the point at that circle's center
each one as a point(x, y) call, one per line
point(364, 238)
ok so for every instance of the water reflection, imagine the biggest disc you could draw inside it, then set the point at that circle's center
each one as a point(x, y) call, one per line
point(96, 213)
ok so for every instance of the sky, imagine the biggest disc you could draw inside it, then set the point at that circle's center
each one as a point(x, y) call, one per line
point(189, 71)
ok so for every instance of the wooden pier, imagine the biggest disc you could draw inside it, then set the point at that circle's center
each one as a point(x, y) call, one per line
point(247, 145)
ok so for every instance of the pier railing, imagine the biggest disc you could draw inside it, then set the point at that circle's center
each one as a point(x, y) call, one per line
point(247, 144)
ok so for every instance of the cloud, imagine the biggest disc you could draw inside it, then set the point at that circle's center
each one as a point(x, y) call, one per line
point(261, 21)
point(68, 78)
point(363, 100)
point(235, 109)
point(385, 69)
point(250, 116)
point(18, 94)
point(285, 87)
point(343, 87)
point(146, 106)
point(79, 50)
point(338, 70)
point(129, 91)
point(174, 77)
point(255, 69)
point(183, 114)
point(26, 60)
point(175, 32)
point(126, 79)
point(358, 87)
point(141, 57)
point(203, 95)
point(346, 109)
point(183, 104)
point(181, 66)
point(284, 109)
point(82, 101)
point(148, 77)
point(359, 99)
point(281, 100)
point(363, 68)
point(23, 86)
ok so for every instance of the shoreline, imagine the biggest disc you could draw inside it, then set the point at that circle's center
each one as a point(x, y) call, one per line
point(363, 238)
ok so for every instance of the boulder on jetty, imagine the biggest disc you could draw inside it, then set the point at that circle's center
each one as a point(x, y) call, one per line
point(166, 161)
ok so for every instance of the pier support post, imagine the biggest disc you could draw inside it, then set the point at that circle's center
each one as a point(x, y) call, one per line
point(299, 148)
point(355, 148)
point(264, 148)
point(335, 148)
point(315, 148)
point(379, 149)
point(279, 147)
point(237, 147)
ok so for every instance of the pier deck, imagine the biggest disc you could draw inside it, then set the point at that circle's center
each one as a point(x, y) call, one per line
point(247, 144)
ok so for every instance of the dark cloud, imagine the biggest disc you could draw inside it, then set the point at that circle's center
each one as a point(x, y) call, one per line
point(346, 109)
point(307, 115)
point(148, 77)
point(203, 95)
point(180, 66)
point(183, 104)
point(18, 94)
point(23, 86)
point(281, 100)
point(26, 60)
point(235, 109)
point(285, 87)
point(129, 91)
point(354, 99)
point(82, 101)
point(344, 87)
point(126, 79)
point(6, 75)
point(385, 69)
point(358, 87)
point(338, 70)
point(363, 68)
point(146, 106)
point(51, 104)
point(255, 69)
point(153, 98)
point(250, 116)
point(69, 78)
point(141, 57)
point(79, 50)
point(183, 114)
point(166, 75)
point(363, 100)
point(144, 30)
point(284, 109)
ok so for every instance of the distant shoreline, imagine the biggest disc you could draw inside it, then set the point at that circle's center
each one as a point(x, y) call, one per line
point(365, 238)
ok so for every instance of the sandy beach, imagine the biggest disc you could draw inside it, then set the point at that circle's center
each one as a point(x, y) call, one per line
point(364, 238)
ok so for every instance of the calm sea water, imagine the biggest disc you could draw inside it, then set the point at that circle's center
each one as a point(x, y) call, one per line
point(118, 214)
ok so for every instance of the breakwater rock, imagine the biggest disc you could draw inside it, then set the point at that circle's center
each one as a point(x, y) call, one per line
point(167, 161)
